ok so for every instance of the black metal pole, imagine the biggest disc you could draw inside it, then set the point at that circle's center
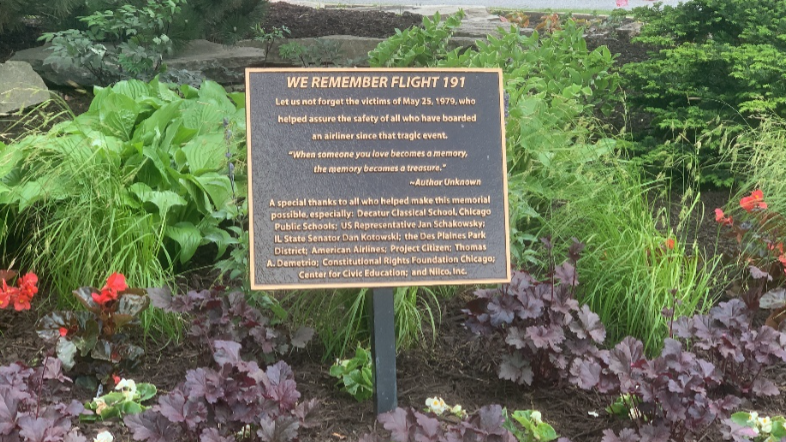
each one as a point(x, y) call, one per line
point(383, 350)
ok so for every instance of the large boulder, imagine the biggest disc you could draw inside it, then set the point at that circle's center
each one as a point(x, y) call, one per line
point(349, 47)
point(220, 63)
point(20, 86)
point(54, 73)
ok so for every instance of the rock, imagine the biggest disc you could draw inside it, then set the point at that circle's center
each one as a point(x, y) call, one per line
point(54, 73)
point(20, 86)
point(631, 29)
point(350, 47)
point(223, 64)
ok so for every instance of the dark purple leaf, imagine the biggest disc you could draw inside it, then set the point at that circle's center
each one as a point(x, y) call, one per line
point(283, 429)
point(492, 419)
point(625, 354)
point(758, 273)
point(531, 307)
point(764, 387)
point(626, 435)
point(517, 338)
point(586, 373)
point(398, 423)
point(588, 325)
point(514, 368)
point(305, 411)
point(204, 383)
point(75, 408)
point(42, 429)
point(502, 310)
point(427, 430)
point(151, 426)
point(173, 406)
point(566, 274)
point(543, 337)
point(736, 432)
point(576, 247)
point(74, 436)
point(654, 433)
point(160, 297)
point(285, 394)
point(226, 352)
point(212, 435)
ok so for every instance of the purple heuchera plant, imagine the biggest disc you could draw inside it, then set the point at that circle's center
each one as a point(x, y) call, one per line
point(23, 413)
point(540, 321)
point(216, 315)
point(237, 397)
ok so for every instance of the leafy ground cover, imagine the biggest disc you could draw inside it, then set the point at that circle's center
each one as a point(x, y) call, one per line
point(208, 391)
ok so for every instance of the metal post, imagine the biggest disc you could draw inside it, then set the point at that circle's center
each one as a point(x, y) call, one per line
point(383, 350)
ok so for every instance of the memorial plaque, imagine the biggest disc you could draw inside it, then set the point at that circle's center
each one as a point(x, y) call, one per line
point(376, 177)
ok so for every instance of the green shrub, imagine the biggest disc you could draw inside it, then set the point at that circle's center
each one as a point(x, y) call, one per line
point(134, 185)
point(127, 42)
point(720, 62)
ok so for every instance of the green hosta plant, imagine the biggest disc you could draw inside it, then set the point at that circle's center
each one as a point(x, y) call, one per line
point(355, 374)
point(417, 46)
point(127, 399)
point(528, 426)
point(158, 171)
point(95, 335)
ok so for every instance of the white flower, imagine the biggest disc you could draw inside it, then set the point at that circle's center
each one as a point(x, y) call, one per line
point(458, 411)
point(536, 416)
point(128, 386)
point(436, 405)
point(104, 436)
point(754, 416)
point(765, 423)
point(593, 413)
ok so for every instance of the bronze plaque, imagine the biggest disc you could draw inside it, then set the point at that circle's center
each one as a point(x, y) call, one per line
point(376, 177)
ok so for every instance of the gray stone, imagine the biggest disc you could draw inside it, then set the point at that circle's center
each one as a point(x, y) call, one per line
point(20, 86)
point(223, 64)
point(53, 73)
point(351, 47)
point(630, 29)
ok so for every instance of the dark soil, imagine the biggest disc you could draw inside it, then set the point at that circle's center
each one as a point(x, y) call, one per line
point(459, 368)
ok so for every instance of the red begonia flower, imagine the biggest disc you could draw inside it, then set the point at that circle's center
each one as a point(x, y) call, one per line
point(63, 331)
point(782, 259)
point(116, 282)
point(670, 244)
point(754, 201)
point(722, 218)
point(105, 296)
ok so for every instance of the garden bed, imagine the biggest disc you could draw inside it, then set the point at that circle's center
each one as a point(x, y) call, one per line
point(459, 367)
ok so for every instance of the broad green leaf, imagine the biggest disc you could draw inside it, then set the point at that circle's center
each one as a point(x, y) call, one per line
point(133, 89)
point(187, 236)
point(206, 117)
point(218, 187)
point(545, 432)
point(159, 90)
point(163, 200)
point(159, 120)
point(129, 407)
point(146, 391)
point(239, 98)
point(212, 92)
point(206, 153)
point(220, 237)
point(117, 115)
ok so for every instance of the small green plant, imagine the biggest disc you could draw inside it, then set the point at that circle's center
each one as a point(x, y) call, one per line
point(127, 399)
point(625, 406)
point(355, 374)
point(96, 336)
point(528, 426)
point(127, 42)
point(268, 38)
